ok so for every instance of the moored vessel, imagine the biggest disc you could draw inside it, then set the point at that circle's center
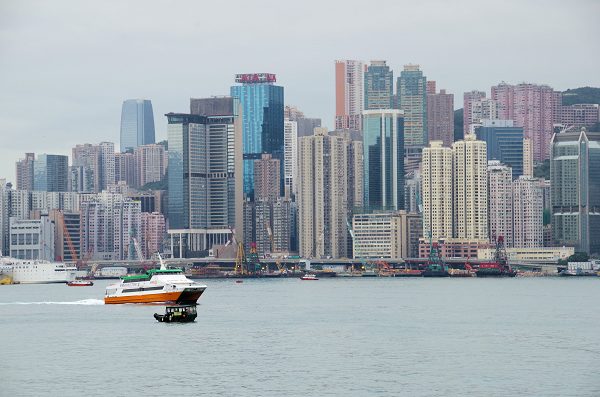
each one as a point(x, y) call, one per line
point(435, 265)
point(309, 277)
point(155, 286)
point(80, 283)
point(499, 267)
point(36, 271)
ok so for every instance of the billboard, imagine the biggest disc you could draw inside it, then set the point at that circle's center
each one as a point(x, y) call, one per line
point(255, 78)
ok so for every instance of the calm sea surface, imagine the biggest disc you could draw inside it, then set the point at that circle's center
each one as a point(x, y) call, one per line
point(332, 337)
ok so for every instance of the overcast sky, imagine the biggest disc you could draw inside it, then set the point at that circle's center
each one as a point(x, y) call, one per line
point(66, 66)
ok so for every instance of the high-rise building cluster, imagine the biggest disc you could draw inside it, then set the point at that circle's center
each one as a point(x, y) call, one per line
point(246, 170)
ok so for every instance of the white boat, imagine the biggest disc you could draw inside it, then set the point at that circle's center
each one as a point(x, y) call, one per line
point(155, 286)
point(35, 271)
point(309, 277)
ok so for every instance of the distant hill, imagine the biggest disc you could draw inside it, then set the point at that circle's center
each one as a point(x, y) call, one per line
point(581, 95)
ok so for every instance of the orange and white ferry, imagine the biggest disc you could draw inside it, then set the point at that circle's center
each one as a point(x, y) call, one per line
point(155, 286)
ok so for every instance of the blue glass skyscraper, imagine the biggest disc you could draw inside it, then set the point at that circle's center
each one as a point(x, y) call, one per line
point(50, 173)
point(137, 124)
point(379, 86)
point(383, 156)
point(262, 122)
point(504, 142)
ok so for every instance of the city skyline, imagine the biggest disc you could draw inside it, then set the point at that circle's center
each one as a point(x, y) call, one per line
point(76, 87)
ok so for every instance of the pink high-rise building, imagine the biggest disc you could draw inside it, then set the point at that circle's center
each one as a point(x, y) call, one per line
point(533, 107)
point(349, 94)
point(153, 232)
point(440, 115)
point(430, 87)
point(468, 99)
point(579, 115)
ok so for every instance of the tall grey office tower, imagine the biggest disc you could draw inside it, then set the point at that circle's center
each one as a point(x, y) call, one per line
point(50, 173)
point(137, 124)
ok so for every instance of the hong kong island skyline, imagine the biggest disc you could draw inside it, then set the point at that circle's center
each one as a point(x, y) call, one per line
point(63, 83)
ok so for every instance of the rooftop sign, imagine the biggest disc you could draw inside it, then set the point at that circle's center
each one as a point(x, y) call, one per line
point(255, 78)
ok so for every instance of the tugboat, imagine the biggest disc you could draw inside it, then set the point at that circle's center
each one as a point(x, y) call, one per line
point(177, 314)
point(499, 267)
point(435, 265)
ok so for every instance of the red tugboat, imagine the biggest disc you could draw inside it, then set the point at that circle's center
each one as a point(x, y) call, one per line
point(499, 267)
point(80, 283)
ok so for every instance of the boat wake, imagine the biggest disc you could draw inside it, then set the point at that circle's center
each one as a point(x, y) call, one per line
point(84, 302)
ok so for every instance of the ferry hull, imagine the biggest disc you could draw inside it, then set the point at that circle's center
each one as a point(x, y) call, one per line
point(187, 296)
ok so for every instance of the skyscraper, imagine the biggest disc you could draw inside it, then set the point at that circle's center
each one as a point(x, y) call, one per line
point(262, 122)
point(204, 178)
point(468, 99)
point(290, 166)
point(440, 116)
point(322, 194)
point(470, 189)
point(436, 188)
point(109, 222)
point(93, 167)
point(533, 107)
point(383, 159)
point(50, 173)
point(149, 164)
point(349, 94)
point(153, 232)
point(528, 213)
point(504, 142)
point(411, 90)
point(575, 181)
point(125, 169)
point(500, 199)
point(379, 86)
point(137, 124)
point(24, 170)
point(266, 178)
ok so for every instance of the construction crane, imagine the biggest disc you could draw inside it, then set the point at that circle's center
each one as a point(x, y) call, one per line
point(61, 219)
point(138, 249)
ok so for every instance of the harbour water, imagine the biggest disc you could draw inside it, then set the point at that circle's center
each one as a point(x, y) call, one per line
point(332, 337)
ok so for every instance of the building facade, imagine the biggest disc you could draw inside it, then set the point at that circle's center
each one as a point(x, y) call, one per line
point(262, 122)
point(50, 173)
point(290, 156)
point(500, 201)
point(384, 235)
point(349, 94)
point(322, 195)
point(32, 238)
point(469, 98)
point(154, 232)
point(150, 164)
point(437, 191)
point(575, 181)
point(528, 201)
point(533, 107)
point(379, 86)
point(204, 179)
point(504, 143)
point(137, 124)
point(470, 189)
point(440, 115)
point(411, 91)
point(383, 159)
point(24, 172)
